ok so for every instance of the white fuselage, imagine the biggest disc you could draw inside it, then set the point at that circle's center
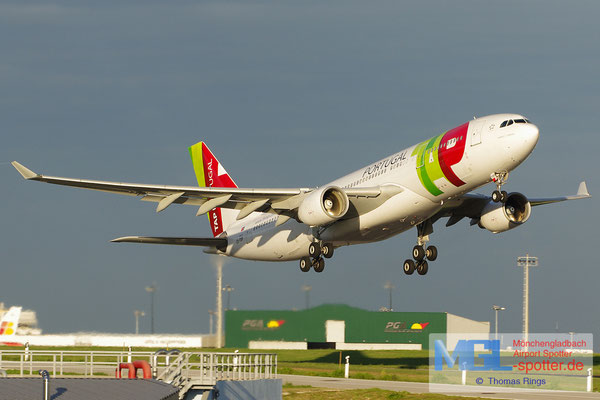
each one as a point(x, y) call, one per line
point(418, 186)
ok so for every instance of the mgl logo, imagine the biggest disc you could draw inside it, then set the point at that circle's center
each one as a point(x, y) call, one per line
point(464, 354)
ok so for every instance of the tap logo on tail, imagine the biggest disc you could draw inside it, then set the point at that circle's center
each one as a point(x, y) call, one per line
point(210, 173)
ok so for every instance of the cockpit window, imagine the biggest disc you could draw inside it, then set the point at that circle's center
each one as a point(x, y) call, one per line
point(509, 122)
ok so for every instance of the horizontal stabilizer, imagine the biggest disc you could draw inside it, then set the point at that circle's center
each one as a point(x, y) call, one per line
point(218, 243)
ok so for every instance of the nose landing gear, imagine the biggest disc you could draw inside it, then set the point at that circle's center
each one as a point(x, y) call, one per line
point(499, 178)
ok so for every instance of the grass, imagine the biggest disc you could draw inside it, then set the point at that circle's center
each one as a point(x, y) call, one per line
point(391, 365)
point(306, 392)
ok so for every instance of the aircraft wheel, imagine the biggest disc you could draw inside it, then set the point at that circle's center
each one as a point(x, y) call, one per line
point(305, 264)
point(496, 196)
point(319, 265)
point(408, 267)
point(314, 250)
point(418, 253)
point(431, 253)
point(327, 250)
point(503, 196)
point(422, 267)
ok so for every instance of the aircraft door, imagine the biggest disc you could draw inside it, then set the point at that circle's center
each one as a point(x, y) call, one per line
point(475, 128)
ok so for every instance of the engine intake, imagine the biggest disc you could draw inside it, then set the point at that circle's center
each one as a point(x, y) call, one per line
point(323, 206)
point(500, 217)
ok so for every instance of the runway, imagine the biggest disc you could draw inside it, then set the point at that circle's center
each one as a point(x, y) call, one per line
point(417, 387)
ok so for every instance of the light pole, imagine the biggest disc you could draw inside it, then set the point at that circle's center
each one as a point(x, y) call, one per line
point(228, 289)
point(496, 309)
point(307, 289)
point(526, 262)
point(151, 290)
point(211, 314)
point(138, 314)
point(388, 286)
point(219, 263)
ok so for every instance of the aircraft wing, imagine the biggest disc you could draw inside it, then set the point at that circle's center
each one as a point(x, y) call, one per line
point(582, 193)
point(280, 201)
point(471, 205)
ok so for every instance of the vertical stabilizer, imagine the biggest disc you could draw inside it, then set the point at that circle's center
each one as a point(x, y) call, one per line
point(10, 322)
point(211, 173)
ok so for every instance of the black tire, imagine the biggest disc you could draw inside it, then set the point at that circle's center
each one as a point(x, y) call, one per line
point(422, 267)
point(305, 264)
point(408, 267)
point(327, 250)
point(503, 196)
point(496, 196)
point(319, 265)
point(314, 250)
point(431, 253)
point(418, 253)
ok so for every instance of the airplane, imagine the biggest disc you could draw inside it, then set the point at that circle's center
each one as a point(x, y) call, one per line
point(8, 326)
point(412, 188)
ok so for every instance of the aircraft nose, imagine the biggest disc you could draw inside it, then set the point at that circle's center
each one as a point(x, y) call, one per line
point(530, 134)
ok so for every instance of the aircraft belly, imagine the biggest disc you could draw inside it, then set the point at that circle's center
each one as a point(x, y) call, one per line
point(398, 214)
point(289, 241)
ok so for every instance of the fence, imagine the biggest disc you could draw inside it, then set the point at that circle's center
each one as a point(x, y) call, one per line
point(187, 369)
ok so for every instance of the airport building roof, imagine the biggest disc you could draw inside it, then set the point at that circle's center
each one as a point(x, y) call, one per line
point(90, 389)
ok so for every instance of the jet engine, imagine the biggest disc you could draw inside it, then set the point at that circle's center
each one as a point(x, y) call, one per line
point(500, 217)
point(323, 206)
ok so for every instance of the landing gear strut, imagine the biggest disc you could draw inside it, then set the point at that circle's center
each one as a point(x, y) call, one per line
point(317, 251)
point(421, 252)
point(499, 178)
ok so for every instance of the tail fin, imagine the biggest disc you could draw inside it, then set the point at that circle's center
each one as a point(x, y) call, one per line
point(10, 322)
point(210, 173)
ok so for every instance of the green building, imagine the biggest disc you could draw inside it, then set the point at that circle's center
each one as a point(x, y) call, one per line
point(338, 326)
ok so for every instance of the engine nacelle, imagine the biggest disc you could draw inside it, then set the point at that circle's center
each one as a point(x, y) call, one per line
point(500, 217)
point(323, 206)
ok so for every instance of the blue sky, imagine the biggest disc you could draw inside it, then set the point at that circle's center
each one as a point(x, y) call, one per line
point(286, 94)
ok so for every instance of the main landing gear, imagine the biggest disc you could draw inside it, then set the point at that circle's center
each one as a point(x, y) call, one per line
point(317, 252)
point(421, 252)
point(499, 178)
